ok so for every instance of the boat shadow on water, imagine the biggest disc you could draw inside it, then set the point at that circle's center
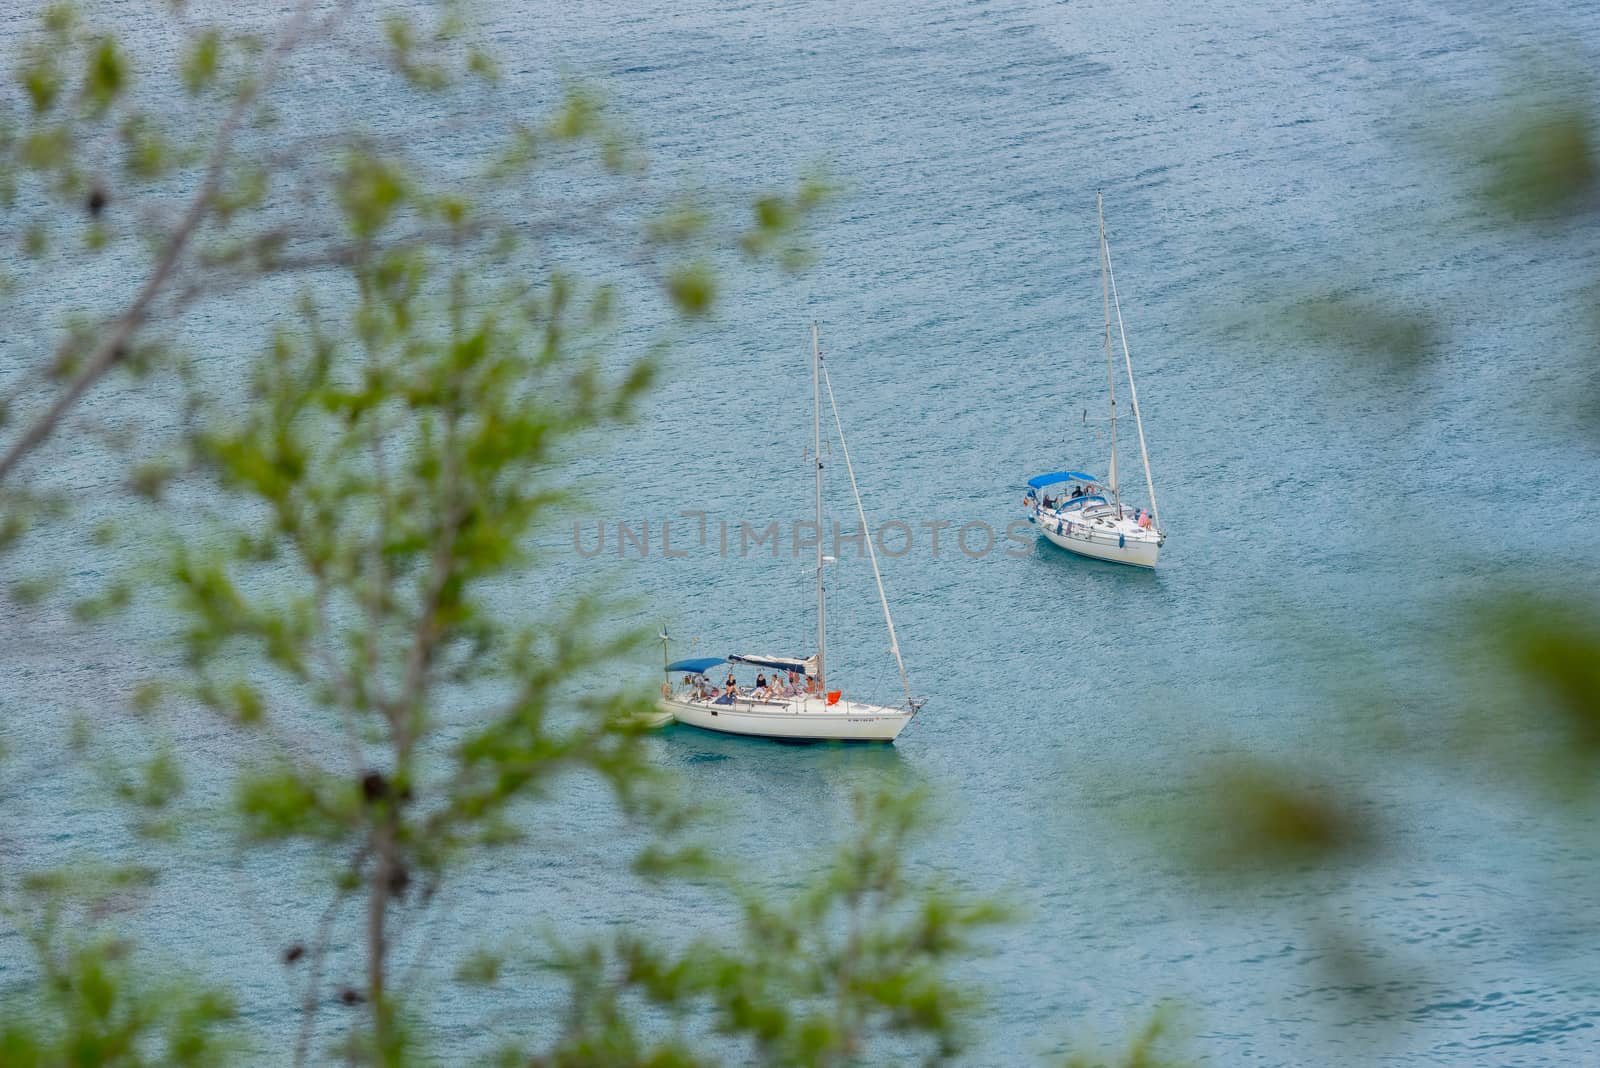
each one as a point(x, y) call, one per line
point(709, 746)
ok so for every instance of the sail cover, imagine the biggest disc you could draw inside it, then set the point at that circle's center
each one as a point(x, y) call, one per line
point(782, 663)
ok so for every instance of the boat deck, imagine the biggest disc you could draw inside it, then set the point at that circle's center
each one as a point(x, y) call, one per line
point(1097, 520)
point(800, 705)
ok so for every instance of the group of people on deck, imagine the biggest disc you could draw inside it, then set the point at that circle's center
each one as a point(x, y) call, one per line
point(776, 688)
point(1141, 516)
point(1053, 502)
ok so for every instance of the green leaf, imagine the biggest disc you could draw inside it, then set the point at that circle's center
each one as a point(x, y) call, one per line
point(1252, 819)
point(248, 707)
point(148, 152)
point(1367, 327)
point(482, 64)
point(46, 149)
point(682, 222)
point(370, 192)
point(59, 20)
point(1547, 164)
point(397, 30)
point(159, 784)
point(282, 804)
point(579, 115)
point(692, 289)
point(146, 696)
point(107, 75)
point(35, 241)
point(115, 598)
point(480, 968)
point(149, 479)
point(33, 590)
point(40, 76)
point(772, 213)
point(201, 60)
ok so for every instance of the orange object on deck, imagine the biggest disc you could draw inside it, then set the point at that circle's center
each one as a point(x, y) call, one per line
point(833, 696)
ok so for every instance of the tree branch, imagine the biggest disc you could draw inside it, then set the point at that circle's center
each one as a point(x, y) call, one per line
point(113, 346)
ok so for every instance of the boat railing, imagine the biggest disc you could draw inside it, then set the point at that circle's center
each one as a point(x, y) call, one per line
point(748, 700)
point(1106, 533)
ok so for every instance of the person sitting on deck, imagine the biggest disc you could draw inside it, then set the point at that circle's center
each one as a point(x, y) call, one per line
point(732, 684)
point(1077, 491)
point(1049, 502)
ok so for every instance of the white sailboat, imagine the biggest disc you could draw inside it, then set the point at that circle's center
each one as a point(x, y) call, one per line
point(1085, 520)
point(790, 708)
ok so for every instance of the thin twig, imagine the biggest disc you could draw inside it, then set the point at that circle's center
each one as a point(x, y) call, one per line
point(378, 577)
point(319, 952)
point(114, 346)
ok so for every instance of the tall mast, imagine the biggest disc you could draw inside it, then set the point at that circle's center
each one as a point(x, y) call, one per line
point(1111, 376)
point(816, 446)
point(1133, 392)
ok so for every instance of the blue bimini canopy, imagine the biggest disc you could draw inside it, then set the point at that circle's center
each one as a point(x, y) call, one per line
point(1041, 481)
point(698, 666)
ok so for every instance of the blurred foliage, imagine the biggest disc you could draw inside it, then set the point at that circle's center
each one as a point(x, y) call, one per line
point(1539, 715)
point(354, 506)
point(92, 1002)
point(1505, 698)
point(1148, 1049)
point(98, 1008)
point(1531, 157)
point(1249, 818)
point(387, 473)
point(397, 443)
point(851, 968)
point(1379, 333)
point(139, 158)
point(1541, 160)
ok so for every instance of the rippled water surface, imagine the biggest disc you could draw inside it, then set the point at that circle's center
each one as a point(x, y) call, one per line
point(1248, 153)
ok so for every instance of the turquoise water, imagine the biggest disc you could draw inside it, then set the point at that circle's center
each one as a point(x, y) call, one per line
point(1317, 510)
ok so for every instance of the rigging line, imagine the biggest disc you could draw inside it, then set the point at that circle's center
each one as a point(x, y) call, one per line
point(872, 554)
point(1133, 394)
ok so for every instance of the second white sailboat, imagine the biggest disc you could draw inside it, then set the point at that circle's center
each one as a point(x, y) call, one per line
point(1092, 519)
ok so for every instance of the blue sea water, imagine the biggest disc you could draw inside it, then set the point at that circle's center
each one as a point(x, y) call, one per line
point(1319, 508)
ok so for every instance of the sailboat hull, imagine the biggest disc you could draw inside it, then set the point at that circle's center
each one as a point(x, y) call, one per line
point(801, 719)
point(1115, 548)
